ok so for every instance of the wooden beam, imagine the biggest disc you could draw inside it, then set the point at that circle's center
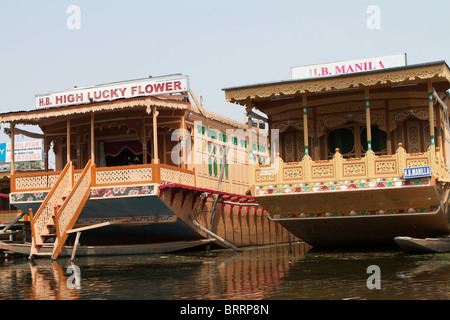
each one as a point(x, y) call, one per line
point(98, 225)
point(212, 234)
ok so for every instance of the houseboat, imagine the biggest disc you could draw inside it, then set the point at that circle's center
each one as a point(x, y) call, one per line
point(137, 168)
point(363, 150)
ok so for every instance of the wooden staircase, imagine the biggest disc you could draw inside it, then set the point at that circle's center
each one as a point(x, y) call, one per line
point(59, 212)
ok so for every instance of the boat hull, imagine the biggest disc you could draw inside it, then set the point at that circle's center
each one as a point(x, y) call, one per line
point(161, 213)
point(357, 213)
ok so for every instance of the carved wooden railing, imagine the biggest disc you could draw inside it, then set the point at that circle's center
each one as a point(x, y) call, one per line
point(109, 176)
point(43, 216)
point(368, 167)
point(68, 213)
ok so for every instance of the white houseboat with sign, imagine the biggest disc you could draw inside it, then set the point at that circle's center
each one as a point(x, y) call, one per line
point(363, 150)
point(138, 168)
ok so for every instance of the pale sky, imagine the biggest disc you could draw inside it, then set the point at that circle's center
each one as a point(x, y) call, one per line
point(218, 44)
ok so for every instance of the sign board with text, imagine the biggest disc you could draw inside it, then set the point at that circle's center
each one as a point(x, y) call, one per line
point(348, 67)
point(418, 172)
point(24, 151)
point(113, 91)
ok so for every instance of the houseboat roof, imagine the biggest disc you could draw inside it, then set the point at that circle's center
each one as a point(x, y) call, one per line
point(175, 102)
point(438, 72)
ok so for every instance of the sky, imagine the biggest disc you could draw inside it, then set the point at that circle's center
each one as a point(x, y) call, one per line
point(218, 44)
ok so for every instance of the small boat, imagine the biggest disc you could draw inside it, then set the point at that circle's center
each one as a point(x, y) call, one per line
point(106, 250)
point(426, 245)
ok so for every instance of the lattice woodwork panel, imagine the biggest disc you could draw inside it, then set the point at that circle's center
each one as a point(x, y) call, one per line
point(293, 173)
point(323, 171)
point(382, 167)
point(265, 175)
point(354, 169)
point(123, 175)
point(413, 163)
point(70, 208)
point(176, 176)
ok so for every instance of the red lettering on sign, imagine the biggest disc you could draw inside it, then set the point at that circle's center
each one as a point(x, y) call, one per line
point(159, 87)
point(177, 85)
point(122, 91)
point(114, 93)
point(325, 71)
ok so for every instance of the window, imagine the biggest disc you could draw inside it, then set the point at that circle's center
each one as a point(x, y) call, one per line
point(352, 140)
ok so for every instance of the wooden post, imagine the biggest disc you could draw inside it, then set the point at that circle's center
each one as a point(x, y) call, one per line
point(46, 149)
point(368, 121)
point(155, 135)
point(68, 140)
point(183, 142)
point(92, 139)
point(305, 124)
point(144, 143)
point(13, 149)
point(78, 147)
point(388, 127)
point(431, 112)
point(75, 246)
point(249, 109)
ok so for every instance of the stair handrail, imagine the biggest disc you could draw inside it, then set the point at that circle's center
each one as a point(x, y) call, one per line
point(48, 200)
point(81, 189)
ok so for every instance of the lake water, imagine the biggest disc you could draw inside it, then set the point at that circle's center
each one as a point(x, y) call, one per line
point(282, 272)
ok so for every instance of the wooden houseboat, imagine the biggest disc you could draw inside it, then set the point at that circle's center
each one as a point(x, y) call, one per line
point(362, 155)
point(136, 163)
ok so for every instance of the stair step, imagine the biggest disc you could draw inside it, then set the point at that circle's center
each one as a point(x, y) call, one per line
point(48, 235)
point(43, 254)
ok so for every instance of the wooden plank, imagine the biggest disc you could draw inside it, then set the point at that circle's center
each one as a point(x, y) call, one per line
point(98, 225)
point(75, 246)
point(212, 234)
point(12, 223)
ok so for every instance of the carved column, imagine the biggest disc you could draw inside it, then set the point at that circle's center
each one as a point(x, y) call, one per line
point(92, 139)
point(368, 121)
point(249, 109)
point(305, 124)
point(155, 135)
point(431, 112)
point(68, 141)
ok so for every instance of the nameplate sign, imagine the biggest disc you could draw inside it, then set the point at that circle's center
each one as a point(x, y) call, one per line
point(419, 172)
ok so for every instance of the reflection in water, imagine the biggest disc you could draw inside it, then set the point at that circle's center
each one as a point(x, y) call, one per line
point(279, 272)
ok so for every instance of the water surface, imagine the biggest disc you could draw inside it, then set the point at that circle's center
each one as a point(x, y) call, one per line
point(284, 272)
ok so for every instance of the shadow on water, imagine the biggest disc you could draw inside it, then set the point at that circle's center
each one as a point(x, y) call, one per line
point(283, 272)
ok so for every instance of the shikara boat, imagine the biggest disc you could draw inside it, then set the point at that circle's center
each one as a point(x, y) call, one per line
point(427, 245)
point(136, 163)
point(362, 157)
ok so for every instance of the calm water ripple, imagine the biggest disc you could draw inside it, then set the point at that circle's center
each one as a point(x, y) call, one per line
point(269, 273)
